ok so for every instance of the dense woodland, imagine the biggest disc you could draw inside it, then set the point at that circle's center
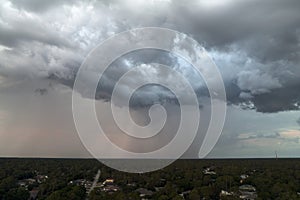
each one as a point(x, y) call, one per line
point(184, 179)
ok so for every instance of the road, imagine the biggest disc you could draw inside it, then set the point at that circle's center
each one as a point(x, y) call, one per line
point(94, 183)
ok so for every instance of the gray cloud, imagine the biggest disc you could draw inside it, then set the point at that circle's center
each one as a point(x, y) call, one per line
point(40, 6)
point(257, 52)
point(19, 26)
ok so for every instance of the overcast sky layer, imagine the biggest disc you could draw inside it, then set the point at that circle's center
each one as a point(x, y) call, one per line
point(255, 44)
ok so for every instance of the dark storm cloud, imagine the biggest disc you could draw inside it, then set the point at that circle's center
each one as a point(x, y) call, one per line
point(267, 75)
point(268, 30)
point(282, 99)
point(256, 44)
point(150, 94)
point(268, 34)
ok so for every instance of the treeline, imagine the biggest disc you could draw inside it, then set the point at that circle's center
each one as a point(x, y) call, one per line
point(273, 179)
point(59, 172)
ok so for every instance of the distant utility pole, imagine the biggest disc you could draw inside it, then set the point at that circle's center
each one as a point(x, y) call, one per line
point(276, 156)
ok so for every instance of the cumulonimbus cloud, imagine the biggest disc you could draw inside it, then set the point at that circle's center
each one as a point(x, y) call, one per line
point(257, 53)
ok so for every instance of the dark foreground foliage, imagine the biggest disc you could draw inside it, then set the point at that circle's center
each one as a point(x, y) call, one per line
point(273, 179)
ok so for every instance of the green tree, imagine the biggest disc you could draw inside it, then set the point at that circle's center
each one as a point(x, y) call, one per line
point(17, 194)
point(194, 195)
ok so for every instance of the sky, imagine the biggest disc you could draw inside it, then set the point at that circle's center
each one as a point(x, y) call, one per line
point(255, 45)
